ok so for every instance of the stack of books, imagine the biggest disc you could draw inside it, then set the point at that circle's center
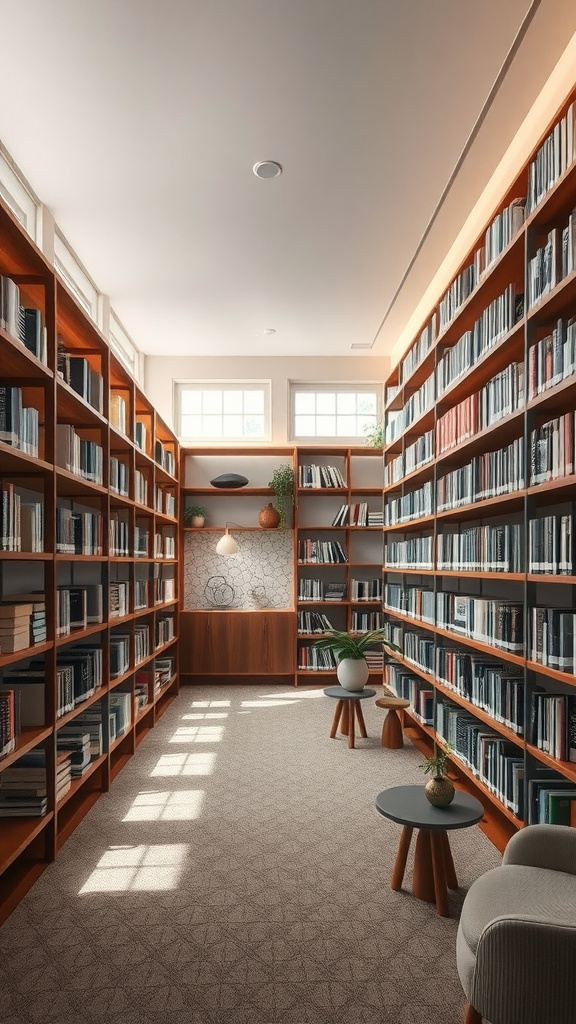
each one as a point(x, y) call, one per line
point(23, 792)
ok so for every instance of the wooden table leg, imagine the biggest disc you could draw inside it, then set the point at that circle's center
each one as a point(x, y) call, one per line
point(351, 719)
point(449, 869)
point(400, 865)
point(360, 716)
point(423, 877)
point(345, 716)
point(392, 731)
point(440, 891)
point(336, 719)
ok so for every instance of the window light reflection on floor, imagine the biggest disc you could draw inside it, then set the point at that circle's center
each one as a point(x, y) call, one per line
point(197, 734)
point(141, 868)
point(211, 704)
point(169, 765)
point(177, 805)
point(266, 703)
point(201, 715)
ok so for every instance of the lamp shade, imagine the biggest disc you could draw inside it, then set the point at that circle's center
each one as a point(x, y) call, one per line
point(227, 545)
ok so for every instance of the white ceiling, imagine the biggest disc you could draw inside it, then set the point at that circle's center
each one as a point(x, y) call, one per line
point(138, 122)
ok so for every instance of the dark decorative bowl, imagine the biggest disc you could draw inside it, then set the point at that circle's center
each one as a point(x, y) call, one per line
point(229, 480)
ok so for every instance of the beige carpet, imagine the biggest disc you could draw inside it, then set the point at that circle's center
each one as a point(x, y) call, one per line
point(238, 872)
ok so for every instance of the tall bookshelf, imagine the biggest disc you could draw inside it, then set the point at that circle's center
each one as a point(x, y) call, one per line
point(338, 551)
point(250, 641)
point(479, 568)
point(103, 575)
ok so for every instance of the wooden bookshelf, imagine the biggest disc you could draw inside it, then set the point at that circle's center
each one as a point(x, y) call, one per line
point(424, 463)
point(29, 843)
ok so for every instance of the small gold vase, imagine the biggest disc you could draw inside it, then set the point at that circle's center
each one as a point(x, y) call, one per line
point(439, 791)
point(269, 517)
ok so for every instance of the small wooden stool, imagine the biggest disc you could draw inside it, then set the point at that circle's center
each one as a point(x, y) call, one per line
point(392, 728)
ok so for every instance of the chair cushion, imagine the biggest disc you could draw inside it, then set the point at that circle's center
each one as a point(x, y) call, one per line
point(536, 894)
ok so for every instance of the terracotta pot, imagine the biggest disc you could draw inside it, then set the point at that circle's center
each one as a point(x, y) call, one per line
point(197, 521)
point(269, 517)
point(439, 791)
point(352, 674)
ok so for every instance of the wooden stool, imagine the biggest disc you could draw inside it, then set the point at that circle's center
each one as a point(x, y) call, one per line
point(392, 728)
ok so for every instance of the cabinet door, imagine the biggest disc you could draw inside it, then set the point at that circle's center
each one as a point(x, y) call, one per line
point(253, 642)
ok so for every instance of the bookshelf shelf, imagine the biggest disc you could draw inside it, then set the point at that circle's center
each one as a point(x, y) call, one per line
point(496, 434)
point(63, 380)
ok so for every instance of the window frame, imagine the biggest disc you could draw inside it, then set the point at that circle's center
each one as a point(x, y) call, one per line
point(219, 384)
point(343, 387)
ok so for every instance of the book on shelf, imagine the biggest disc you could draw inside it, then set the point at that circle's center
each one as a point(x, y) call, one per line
point(23, 787)
point(120, 713)
point(313, 622)
point(83, 378)
point(317, 551)
point(19, 424)
point(552, 158)
point(118, 476)
point(333, 591)
point(552, 358)
point(321, 477)
point(23, 323)
point(118, 412)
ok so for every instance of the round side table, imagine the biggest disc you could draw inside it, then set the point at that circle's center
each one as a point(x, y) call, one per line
point(434, 871)
point(392, 727)
point(348, 709)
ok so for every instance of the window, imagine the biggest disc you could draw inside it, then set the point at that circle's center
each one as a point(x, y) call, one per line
point(223, 410)
point(73, 274)
point(123, 347)
point(17, 195)
point(329, 412)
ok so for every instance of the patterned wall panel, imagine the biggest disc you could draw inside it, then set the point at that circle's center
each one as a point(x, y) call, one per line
point(261, 575)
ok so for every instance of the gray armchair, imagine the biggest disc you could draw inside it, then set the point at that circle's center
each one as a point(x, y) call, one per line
point(516, 945)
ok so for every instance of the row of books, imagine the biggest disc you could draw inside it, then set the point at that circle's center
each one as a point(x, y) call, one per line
point(553, 724)
point(552, 449)
point(365, 622)
point(486, 683)
point(415, 407)
point(78, 533)
point(164, 630)
point(553, 158)
point(419, 350)
point(310, 659)
point(78, 606)
point(81, 376)
point(461, 288)
point(487, 620)
point(165, 502)
point(416, 455)
point(140, 435)
point(23, 786)
point(356, 514)
point(494, 323)
point(141, 641)
point(19, 424)
point(502, 395)
point(118, 476)
point(552, 358)
point(79, 455)
point(552, 637)
point(498, 763)
point(551, 545)
point(411, 553)
point(164, 545)
point(366, 590)
point(490, 548)
point(22, 526)
point(164, 457)
point(314, 476)
point(485, 476)
point(405, 684)
point(503, 228)
point(313, 622)
point(312, 551)
point(23, 323)
point(22, 622)
point(413, 505)
point(413, 601)
point(140, 487)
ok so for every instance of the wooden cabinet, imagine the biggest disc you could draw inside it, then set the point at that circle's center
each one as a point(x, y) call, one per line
point(237, 643)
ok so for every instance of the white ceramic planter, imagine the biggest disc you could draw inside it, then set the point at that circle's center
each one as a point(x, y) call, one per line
point(352, 674)
point(198, 520)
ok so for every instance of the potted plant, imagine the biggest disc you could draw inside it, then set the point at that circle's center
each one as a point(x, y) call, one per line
point(375, 436)
point(282, 483)
point(349, 650)
point(439, 790)
point(194, 515)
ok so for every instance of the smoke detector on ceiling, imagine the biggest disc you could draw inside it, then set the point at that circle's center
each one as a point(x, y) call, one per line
point(267, 169)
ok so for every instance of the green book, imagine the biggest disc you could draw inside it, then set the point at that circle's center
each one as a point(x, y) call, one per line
point(559, 805)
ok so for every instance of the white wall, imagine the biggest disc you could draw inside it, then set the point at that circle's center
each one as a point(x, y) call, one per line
point(162, 371)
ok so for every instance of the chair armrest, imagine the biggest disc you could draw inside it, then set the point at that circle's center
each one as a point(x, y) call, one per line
point(525, 971)
point(543, 846)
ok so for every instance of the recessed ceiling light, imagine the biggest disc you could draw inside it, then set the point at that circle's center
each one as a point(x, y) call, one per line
point(359, 344)
point(268, 331)
point(267, 169)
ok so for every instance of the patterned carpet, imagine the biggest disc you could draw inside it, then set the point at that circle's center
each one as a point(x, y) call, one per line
point(239, 872)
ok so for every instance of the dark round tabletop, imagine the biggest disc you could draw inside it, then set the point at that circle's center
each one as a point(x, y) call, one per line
point(341, 694)
point(408, 806)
